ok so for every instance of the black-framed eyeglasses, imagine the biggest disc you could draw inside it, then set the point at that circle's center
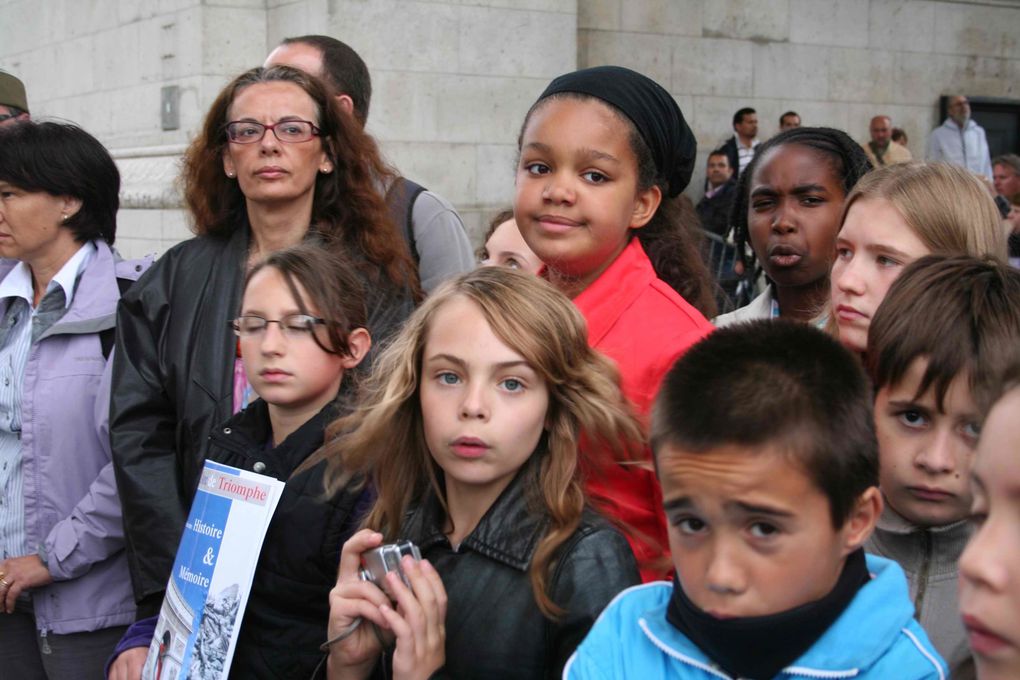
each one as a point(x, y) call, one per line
point(292, 325)
point(289, 131)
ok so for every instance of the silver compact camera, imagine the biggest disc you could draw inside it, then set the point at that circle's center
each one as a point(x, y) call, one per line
point(386, 558)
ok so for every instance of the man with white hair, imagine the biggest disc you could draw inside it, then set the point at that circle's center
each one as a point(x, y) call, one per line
point(960, 140)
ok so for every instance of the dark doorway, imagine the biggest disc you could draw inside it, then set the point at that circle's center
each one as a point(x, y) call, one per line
point(999, 117)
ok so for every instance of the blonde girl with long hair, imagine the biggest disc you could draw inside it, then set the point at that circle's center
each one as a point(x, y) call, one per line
point(895, 215)
point(469, 433)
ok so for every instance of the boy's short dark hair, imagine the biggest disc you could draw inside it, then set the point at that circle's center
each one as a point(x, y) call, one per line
point(343, 69)
point(959, 312)
point(778, 384)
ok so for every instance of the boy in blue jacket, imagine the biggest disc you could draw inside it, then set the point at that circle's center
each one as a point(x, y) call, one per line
point(765, 449)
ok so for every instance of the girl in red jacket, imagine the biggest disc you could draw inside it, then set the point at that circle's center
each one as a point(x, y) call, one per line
point(604, 155)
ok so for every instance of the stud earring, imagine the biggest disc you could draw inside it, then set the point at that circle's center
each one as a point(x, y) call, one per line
point(230, 175)
point(326, 169)
point(63, 217)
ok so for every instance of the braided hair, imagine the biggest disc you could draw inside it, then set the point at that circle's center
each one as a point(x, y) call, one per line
point(848, 159)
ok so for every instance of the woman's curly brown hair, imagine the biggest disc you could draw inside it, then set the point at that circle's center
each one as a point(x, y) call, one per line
point(347, 210)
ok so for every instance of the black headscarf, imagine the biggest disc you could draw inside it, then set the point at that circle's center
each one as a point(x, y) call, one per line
point(649, 106)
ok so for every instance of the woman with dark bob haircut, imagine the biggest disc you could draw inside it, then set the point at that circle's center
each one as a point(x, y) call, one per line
point(63, 577)
point(275, 163)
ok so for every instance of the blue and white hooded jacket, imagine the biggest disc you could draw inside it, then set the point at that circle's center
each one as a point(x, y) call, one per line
point(875, 638)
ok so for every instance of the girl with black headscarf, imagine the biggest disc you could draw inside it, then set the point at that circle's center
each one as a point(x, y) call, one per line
point(604, 155)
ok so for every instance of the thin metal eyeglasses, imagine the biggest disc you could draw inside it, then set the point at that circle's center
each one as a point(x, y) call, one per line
point(292, 325)
point(289, 131)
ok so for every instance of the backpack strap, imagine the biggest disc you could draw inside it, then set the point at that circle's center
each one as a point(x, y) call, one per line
point(107, 337)
point(400, 200)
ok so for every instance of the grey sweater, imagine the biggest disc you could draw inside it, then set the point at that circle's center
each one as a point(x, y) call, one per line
point(444, 250)
point(929, 556)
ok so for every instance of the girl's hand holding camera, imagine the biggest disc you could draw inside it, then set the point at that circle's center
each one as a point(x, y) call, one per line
point(417, 624)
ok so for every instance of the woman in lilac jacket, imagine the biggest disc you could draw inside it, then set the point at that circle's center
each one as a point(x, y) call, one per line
point(65, 594)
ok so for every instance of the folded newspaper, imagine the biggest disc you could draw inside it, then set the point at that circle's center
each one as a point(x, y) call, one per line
point(212, 575)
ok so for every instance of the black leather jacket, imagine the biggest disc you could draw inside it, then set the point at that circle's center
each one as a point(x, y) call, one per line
point(173, 382)
point(494, 628)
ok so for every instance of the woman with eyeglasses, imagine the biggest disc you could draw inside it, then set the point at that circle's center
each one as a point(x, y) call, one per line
point(64, 593)
point(274, 165)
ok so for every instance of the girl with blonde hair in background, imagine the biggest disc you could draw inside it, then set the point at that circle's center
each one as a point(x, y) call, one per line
point(894, 216)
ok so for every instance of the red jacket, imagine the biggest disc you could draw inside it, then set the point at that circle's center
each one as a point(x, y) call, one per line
point(643, 325)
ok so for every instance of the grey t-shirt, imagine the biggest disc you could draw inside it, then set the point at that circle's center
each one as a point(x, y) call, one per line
point(440, 239)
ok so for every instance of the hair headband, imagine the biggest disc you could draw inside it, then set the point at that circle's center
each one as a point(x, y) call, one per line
point(649, 106)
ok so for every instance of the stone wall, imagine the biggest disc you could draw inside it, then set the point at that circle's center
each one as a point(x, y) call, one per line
point(453, 78)
point(835, 62)
point(451, 82)
point(103, 63)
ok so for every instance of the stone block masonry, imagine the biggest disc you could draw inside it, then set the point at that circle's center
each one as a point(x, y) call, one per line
point(454, 78)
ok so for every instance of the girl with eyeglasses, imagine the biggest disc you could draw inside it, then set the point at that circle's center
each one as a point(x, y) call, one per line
point(301, 331)
point(275, 164)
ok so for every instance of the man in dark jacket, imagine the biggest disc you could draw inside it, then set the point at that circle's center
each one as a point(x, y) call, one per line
point(714, 211)
point(741, 147)
point(720, 186)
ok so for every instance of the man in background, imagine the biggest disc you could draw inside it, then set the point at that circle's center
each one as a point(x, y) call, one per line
point(13, 101)
point(960, 140)
point(714, 212)
point(434, 231)
point(741, 147)
point(882, 150)
point(1006, 175)
point(1006, 178)
point(714, 206)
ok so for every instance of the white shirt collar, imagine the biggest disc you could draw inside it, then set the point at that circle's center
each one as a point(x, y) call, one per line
point(18, 282)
